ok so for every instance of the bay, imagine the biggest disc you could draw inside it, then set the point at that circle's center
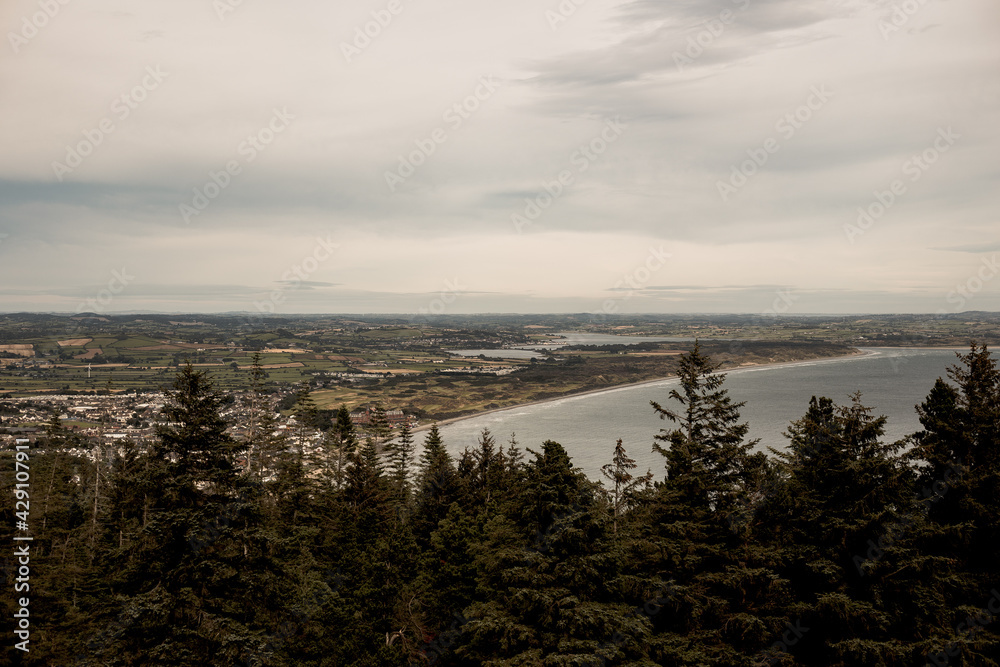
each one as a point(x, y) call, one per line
point(892, 382)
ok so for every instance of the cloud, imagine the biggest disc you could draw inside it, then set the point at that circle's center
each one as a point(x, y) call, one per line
point(413, 100)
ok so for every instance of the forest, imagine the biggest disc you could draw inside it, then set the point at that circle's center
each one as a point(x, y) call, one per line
point(376, 550)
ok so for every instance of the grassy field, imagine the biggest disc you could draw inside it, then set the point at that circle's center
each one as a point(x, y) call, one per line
point(144, 352)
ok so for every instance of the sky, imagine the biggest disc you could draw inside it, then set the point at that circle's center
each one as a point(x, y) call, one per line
point(529, 156)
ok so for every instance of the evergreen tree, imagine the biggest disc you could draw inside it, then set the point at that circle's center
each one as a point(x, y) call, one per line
point(958, 459)
point(437, 487)
point(307, 419)
point(380, 429)
point(706, 455)
point(545, 572)
point(724, 603)
point(341, 444)
point(400, 457)
point(623, 493)
point(846, 492)
point(187, 579)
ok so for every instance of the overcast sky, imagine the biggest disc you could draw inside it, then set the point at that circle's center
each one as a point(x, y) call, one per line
point(456, 156)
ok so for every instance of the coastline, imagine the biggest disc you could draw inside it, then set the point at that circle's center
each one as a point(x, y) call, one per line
point(590, 392)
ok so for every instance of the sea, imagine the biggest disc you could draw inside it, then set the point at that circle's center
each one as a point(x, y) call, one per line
point(892, 381)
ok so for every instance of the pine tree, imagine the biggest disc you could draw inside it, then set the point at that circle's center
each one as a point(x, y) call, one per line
point(380, 429)
point(958, 459)
point(623, 493)
point(437, 487)
point(706, 455)
point(256, 412)
point(723, 605)
point(341, 443)
point(400, 457)
point(182, 577)
point(841, 519)
point(546, 574)
point(307, 418)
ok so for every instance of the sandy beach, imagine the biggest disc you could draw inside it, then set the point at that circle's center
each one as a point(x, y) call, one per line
point(605, 390)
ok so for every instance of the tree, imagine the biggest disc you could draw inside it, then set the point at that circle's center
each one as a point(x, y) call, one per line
point(724, 607)
point(437, 486)
point(706, 455)
point(379, 427)
point(340, 443)
point(306, 416)
point(840, 523)
point(189, 577)
point(400, 456)
point(618, 472)
point(957, 455)
point(546, 575)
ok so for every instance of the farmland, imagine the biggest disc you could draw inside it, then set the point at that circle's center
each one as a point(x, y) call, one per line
point(409, 363)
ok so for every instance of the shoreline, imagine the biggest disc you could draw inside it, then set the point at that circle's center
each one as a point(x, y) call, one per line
point(590, 392)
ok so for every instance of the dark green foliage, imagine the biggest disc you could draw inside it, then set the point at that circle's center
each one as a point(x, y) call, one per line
point(959, 482)
point(399, 453)
point(204, 549)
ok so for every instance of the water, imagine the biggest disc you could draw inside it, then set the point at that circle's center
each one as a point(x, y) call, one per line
point(892, 381)
point(571, 338)
point(503, 354)
point(529, 351)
